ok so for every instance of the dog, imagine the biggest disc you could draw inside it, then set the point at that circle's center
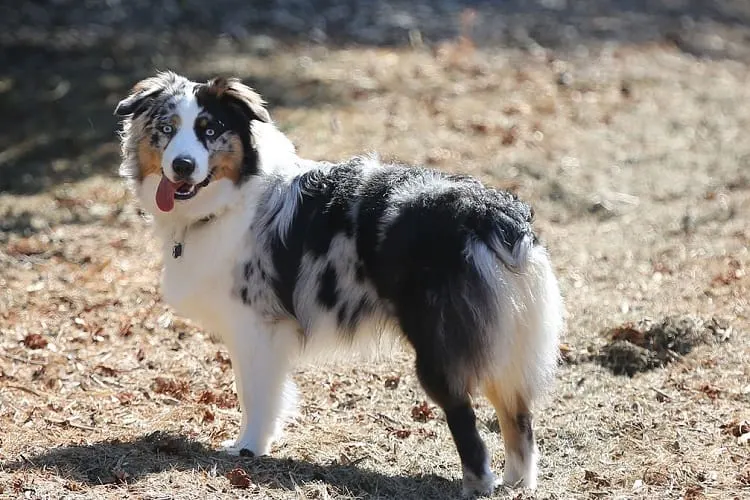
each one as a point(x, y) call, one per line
point(282, 257)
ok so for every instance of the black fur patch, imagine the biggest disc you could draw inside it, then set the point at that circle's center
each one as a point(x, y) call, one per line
point(357, 312)
point(342, 314)
point(525, 428)
point(359, 272)
point(328, 295)
point(231, 119)
point(323, 212)
point(249, 270)
point(375, 194)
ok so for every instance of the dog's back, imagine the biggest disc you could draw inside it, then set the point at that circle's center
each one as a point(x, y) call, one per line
point(453, 264)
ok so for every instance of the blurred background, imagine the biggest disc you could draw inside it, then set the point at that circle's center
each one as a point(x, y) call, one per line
point(65, 63)
point(623, 122)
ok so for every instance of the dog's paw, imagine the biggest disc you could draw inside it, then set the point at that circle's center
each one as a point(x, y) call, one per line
point(514, 481)
point(482, 486)
point(520, 473)
point(238, 449)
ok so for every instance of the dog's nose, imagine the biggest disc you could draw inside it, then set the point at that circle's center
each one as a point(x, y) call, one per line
point(183, 166)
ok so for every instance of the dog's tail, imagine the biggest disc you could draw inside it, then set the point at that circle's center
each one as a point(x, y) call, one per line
point(514, 255)
point(510, 236)
point(523, 291)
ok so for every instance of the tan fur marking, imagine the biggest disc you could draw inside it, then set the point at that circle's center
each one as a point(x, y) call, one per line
point(147, 84)
point(144, 84)
point(219, 85)
point(227, 164)
point(175, 121)
point(149, 159)
point(507, 414)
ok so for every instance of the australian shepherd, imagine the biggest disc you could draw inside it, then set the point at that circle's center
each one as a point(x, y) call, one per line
point(282, 256)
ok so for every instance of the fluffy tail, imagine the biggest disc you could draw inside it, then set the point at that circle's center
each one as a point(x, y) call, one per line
point(514, 255)
point(530, 314)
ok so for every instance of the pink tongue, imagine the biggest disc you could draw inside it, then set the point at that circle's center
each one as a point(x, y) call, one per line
point(165, 194)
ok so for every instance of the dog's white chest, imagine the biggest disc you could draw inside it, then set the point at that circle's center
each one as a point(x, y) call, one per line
point(199, 295)
point(199, 283)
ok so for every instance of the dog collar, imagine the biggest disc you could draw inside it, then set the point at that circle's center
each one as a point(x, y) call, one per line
point(178, 238)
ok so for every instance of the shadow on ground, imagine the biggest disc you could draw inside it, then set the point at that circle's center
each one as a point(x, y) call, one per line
point(58, 102)
point(116, 462)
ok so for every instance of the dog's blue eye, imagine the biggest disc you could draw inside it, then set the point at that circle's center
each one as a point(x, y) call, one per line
point(167, 129)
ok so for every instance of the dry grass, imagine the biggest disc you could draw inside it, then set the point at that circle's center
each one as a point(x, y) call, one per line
point(636, 162)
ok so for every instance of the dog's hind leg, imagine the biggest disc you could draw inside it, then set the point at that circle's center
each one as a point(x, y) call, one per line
point(515, 420)
point(530, 322)
point(456, 403)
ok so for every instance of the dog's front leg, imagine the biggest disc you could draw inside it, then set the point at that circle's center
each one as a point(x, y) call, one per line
point(262, 355)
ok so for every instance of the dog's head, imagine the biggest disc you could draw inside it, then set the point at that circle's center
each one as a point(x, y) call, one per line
point(188, 145)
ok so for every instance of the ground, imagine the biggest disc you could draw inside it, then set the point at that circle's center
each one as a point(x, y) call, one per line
point(632, 153)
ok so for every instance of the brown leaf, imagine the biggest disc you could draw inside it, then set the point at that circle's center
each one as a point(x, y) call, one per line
point(480, 127)
point(206, 398)
point(222, 400)
point(427, 433)
point(125, 398)
point(175, 388)
point(693, 493)
point(711, 391)
point(422, 412)
point(26, 246)
point(35, 341)
point(223, 359)
point(402, 433)
point(208, 416)
point(510, 135)
point(595, 478)
point(392, 382)
point(105, 370)
point(239, 478)
point(73, 486)
point(736, 427)
point(630, 333)
point(126, 327)
point(656, 477)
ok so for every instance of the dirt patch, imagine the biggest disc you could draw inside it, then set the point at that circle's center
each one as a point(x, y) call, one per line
point(635, 348)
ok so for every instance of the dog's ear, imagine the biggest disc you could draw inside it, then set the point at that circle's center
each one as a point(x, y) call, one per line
point(233, 92)
point(143, 94)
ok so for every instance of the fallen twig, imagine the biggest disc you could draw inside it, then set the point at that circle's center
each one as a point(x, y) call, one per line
point(69, 423)
point(22, 360)
point(25, 389)
point(662, 393)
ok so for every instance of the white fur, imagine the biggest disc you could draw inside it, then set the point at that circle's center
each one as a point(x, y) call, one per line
point(199, 285)
point(531, 307)
point(185, 142)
